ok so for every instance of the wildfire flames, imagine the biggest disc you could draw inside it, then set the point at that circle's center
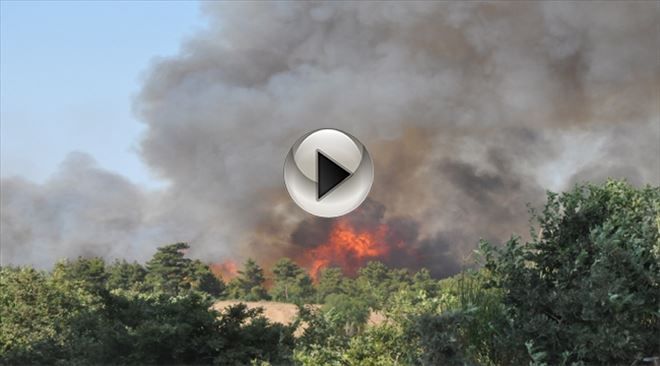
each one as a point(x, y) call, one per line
point(346, 248)
point(225, 270)
point(347, 245)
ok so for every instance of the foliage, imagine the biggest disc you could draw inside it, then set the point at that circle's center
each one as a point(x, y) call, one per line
point(376, 283)
point(427, 326)
point(423, 282)
point(126, 276)
point(170, 272)
point(247, 335)
point(204, 280)
point(380, 345)
point(372, 283)
point(349, 313)
point(88, 272)
point(323, 341)
point(48, 320)
point(318, 355)
point(249, 285)
point(292, 283)
point(586, 290)
point(157, 328)
point(331, 281)
point(34, 312)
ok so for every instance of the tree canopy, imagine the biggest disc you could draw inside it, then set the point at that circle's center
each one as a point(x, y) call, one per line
point(249, 284)
point(587, 288)
point(292, 283)
point(583, 289)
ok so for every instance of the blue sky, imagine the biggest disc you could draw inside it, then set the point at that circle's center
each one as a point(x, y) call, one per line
point(68, 74)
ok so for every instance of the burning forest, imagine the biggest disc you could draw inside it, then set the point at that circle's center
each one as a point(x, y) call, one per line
point(472, 112)
point(465, 130)
point(347, 248)
point(351, 241)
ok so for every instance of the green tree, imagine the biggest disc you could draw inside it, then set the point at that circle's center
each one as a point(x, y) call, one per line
point(586, 289)
point(349, 312)
point(35, 311)
point(249, 284)
point(372, 283)
point(44, 320)
point(246, 335)
point(376, 283)
point(422, 281)
point(323, 340)
point(88, 271)
point(125, 275)
point(398, 279)
point(484, 327)
point(168, 270)
point(292, 283)
point(382, 345)
point(204, 280)
point(331, 281)
point(161, 329)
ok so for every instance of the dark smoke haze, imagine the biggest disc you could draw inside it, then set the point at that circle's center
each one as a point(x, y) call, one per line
point(470, 111)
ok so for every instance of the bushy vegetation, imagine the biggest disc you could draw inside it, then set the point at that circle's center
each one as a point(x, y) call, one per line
point(587, 289)
point(584, 290)
point(86, 313)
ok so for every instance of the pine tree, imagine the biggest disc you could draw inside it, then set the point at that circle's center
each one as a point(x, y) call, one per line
point(249, 285)
point(125, 275)
point(204, 280)
point(90, 272)
point(291, 282)
point(331, 281)
point(169, 271)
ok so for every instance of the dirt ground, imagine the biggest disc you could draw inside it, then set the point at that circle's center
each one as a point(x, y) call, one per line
point(284, 313)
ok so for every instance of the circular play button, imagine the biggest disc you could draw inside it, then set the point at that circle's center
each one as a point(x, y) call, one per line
point(328, 172)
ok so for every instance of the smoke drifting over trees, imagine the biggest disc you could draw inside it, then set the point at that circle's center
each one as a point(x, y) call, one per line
point(470, 111)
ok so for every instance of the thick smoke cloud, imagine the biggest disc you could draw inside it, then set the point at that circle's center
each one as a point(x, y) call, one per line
point(470, 111)
point(82, 210)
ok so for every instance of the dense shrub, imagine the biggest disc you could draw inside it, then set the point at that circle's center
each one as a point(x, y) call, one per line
point(586, 290)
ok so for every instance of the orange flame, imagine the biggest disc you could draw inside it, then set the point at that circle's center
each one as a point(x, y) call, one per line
point(225, 270)
point(347, 248)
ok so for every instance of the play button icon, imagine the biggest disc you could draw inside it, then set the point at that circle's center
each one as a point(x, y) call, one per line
point(328, 173)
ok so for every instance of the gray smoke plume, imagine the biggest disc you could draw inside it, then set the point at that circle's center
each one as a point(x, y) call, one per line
point(470, 111)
